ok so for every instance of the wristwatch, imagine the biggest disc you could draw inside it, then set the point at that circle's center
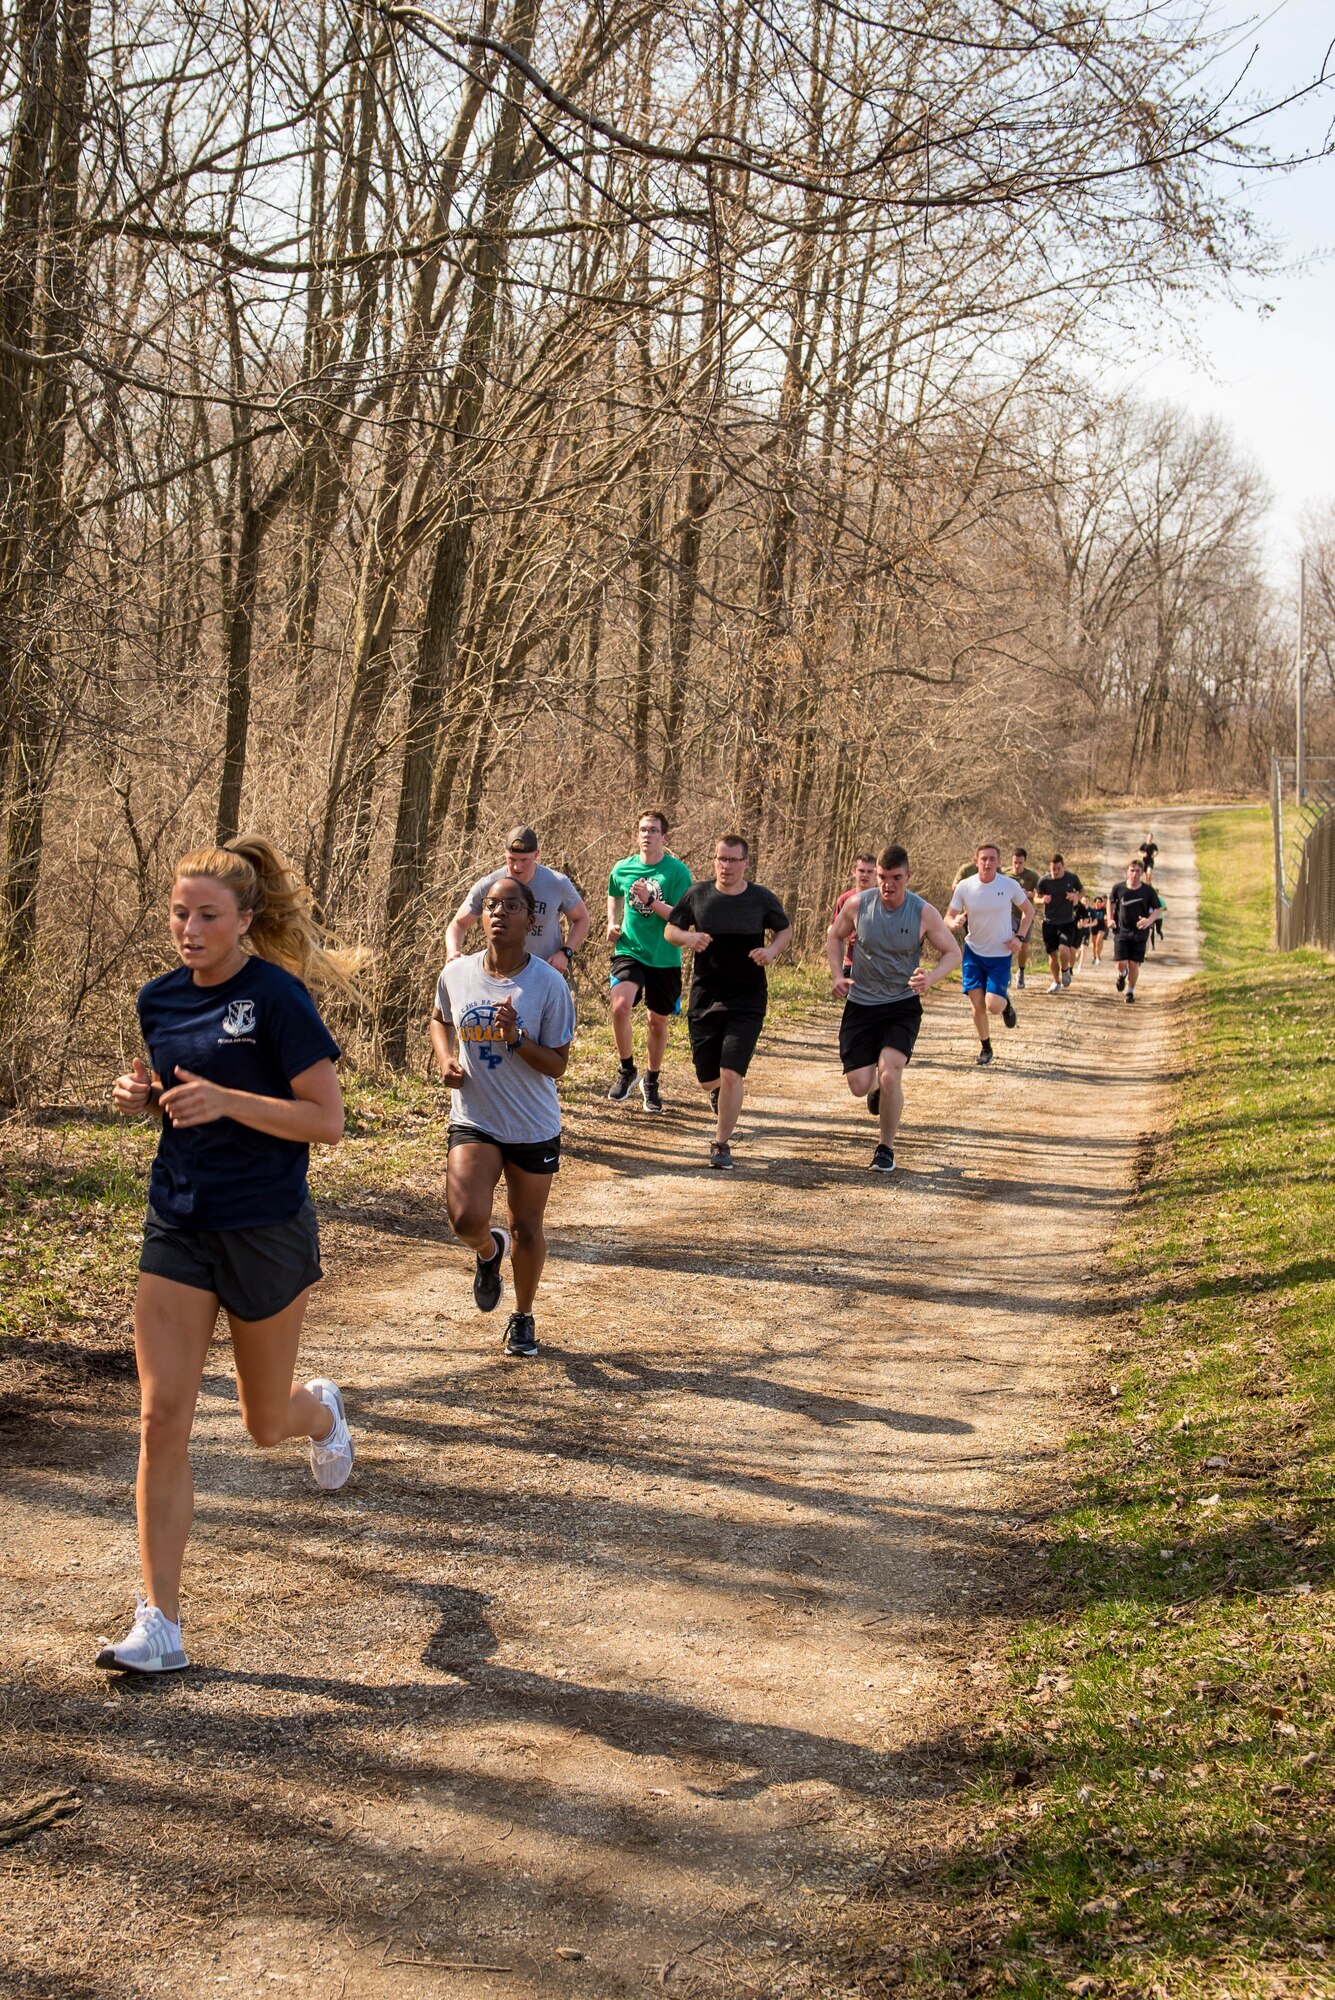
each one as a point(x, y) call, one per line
point(519, 1039)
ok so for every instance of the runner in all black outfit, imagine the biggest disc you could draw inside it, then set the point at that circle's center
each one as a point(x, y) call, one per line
point(1131, 905)
point(724, 923)
point(1059, 895)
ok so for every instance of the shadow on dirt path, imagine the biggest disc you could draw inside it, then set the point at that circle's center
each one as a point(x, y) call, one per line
point(598, 1677)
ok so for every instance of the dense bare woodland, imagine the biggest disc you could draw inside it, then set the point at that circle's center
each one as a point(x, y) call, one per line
point(412, 420)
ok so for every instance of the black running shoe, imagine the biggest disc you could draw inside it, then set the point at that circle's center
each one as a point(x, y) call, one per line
point(488, 1284)
point(1009, 1015)
point(983, 1058)
point(720, 1156)
point(883, 1160)
point(874, 1101)
point(1121, 982)
point(623, 1087)
point(1130, 999)
point(520, 1339)
point(649, 1092)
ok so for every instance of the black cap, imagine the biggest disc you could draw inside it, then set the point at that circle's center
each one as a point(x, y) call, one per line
point(521, 840)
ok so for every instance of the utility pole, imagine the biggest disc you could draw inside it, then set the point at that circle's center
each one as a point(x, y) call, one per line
point(1299, 680)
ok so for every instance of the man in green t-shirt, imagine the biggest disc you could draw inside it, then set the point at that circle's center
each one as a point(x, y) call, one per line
point(642, 892)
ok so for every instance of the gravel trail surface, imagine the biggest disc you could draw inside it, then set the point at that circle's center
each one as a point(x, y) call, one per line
point(602, 1675)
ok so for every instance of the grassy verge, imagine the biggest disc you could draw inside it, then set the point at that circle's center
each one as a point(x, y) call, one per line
point(1152, 1807)
point(72, 1181)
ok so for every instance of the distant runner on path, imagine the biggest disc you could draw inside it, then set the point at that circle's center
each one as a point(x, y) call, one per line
point(501, 1029)
point(1027, 878)
point(864, 877)
point(981, 905)
point(724, 923)
point(554, 896)
point(241, 1075)
point(1060, 894)
point(1133, 906)
point(883, 1002)
point(641, 893)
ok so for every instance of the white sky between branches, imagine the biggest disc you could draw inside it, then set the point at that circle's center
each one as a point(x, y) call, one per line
point(1270, 374)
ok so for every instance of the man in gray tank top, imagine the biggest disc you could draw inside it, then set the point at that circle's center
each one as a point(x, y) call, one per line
point(883, 1001)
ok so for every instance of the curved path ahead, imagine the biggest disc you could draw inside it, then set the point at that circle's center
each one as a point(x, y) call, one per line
point(599, 1677)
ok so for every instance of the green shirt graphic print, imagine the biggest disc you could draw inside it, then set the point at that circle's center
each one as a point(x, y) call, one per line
point(642, 935)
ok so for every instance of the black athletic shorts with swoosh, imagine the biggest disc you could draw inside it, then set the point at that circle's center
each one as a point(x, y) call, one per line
point(544, 1157)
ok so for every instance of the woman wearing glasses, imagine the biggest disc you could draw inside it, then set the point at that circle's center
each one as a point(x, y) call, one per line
point(501, 1028)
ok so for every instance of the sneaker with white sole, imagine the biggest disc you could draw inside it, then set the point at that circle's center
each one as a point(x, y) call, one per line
point(151, 1646)
point(1068, 974)
point(521, 1340)
point(488, 1278)
point(1055, 987)
point(332, 1456)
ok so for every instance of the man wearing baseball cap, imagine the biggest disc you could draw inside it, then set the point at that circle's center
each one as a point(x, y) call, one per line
point(554, 896)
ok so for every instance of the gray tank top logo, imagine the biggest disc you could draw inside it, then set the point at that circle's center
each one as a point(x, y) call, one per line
point(889, 948)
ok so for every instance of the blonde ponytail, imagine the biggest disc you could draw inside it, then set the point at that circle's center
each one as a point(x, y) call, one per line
point(283, 928)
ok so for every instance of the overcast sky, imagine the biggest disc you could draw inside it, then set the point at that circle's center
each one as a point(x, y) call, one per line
point(1268, 367)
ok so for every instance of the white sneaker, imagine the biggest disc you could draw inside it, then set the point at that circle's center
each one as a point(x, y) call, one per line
point(151, 1646)
point(1055, 987)
point(331, 1457)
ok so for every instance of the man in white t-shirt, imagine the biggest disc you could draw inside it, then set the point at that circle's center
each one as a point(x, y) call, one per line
point(983, 906)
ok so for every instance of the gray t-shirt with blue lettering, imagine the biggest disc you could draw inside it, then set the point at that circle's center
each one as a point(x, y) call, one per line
point(553, 894)
point(501, 1094)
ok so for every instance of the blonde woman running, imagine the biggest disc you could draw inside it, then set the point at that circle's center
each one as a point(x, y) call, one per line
point(241, 1076)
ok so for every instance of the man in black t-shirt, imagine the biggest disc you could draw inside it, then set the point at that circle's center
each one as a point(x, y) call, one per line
point(1060, 895)
point(1132, 907)
point(723, 923)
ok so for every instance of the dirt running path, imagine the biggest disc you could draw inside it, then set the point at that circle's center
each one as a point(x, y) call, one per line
point(597, 1678)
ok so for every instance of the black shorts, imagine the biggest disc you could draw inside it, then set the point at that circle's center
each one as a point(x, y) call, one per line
point(1131, 945)
point(542, 1157)
point(660, 984)
point(253, 1273)
point(865, 1031)
point(722, 1041)
point(1055, 935)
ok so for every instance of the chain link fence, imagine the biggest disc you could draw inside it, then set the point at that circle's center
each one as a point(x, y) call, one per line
point(1304, 837)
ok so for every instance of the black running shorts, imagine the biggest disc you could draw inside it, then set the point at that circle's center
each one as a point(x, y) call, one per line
point(660, 984)
point(541, 1157)
point(865, 1031)
point(1055, 935)
point(722, 1041)
point(1131, 945)
point(253, 1273)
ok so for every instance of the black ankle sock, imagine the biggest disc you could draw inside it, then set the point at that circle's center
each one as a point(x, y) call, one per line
point(628, 1065)
point(987, 1041)
point(651, 1076)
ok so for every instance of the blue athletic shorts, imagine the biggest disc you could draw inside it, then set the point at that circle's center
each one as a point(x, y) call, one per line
point(994, 974)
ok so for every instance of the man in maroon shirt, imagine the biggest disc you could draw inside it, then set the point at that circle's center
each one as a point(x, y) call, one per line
point(864, 877)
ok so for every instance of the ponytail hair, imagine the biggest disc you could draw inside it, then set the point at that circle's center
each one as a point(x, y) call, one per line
point(283, 927)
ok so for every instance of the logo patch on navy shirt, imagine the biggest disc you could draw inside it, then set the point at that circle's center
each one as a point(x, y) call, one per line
point(239, 1018)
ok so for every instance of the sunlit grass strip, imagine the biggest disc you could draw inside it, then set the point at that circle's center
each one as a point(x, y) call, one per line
point(1156, 1798)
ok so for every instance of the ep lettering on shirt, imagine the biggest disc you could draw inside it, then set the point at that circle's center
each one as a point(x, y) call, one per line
point(501, 1094)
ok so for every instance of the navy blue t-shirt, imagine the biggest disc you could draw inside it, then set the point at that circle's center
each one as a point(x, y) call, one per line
point(254, 1032)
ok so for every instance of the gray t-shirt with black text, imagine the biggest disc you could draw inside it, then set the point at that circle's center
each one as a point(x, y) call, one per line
point(501, 1094)
point(552, 893)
